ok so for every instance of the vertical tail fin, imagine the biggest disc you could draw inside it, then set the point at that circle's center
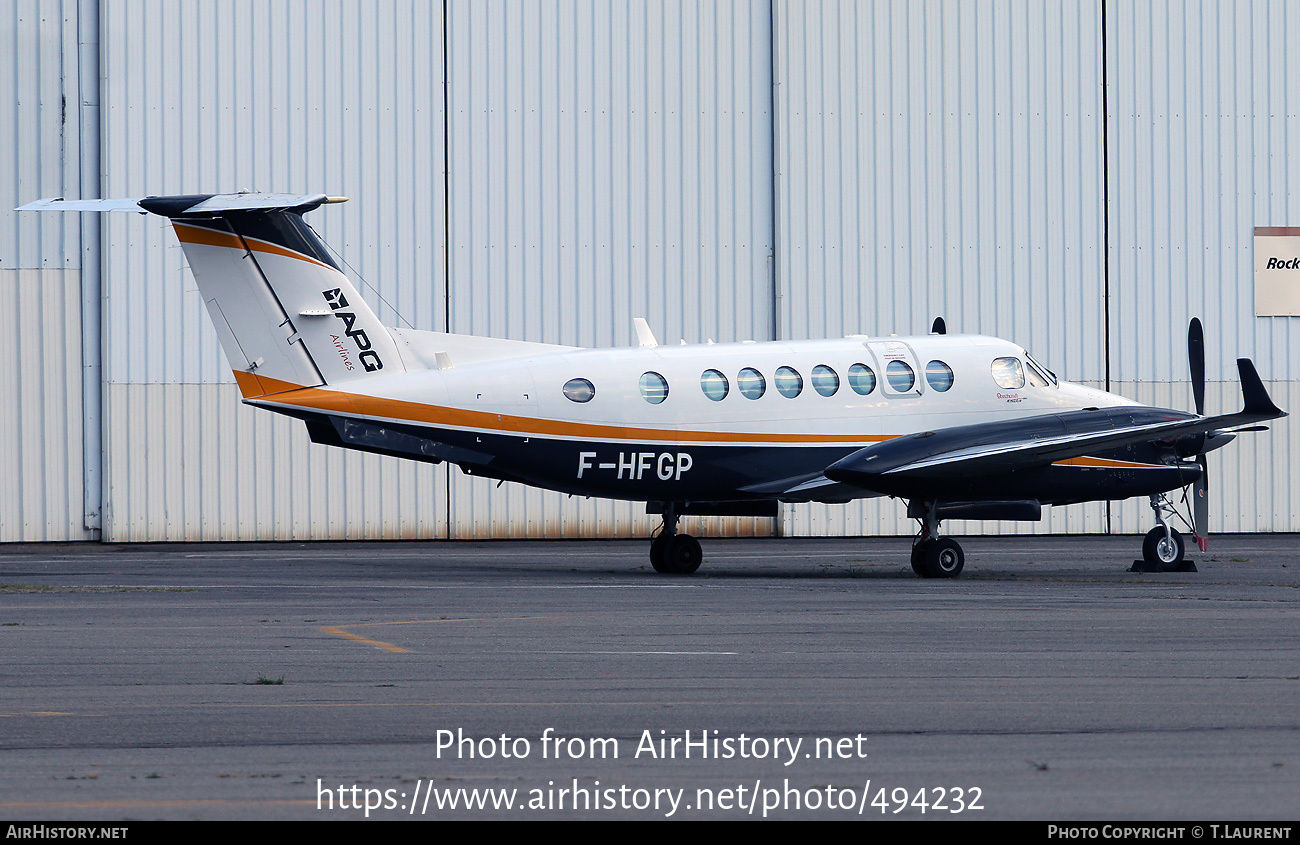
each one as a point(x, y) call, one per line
point(283, 309)
point(284, 312)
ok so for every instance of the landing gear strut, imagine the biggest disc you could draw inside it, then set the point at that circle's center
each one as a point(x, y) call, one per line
point(1162, 548)
point(673, 553)
point(934, 556)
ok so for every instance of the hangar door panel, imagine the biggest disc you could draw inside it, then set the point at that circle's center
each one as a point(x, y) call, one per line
point(609, 161)
point(340, 97)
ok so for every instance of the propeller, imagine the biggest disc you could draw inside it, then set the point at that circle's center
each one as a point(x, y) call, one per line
point(1196, 359)
point(1201, 487)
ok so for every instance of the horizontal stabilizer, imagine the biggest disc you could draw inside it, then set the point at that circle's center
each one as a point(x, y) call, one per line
point(60, 204)
point(176, 206)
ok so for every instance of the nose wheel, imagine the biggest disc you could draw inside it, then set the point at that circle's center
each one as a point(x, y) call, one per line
point(1162, 548)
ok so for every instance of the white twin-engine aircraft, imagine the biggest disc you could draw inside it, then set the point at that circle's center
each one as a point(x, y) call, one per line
point(958, 426)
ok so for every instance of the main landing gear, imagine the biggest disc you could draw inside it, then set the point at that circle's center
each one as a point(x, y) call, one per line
point(673, 553)
point(934, 556)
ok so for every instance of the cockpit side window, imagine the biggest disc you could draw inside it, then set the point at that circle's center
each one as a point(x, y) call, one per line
point(1008, 373)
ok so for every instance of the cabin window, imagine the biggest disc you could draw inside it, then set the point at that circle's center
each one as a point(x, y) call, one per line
point(751, 383)
point(900, 376)
point(579, 390)
point(714, 384)
point(862, 379)
point(788, 382)
point(939, 375)
point(824, 380)
point(654, 388)
point(1008, 373)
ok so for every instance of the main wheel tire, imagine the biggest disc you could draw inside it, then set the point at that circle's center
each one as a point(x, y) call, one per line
point(683, 555)
point(918, 558)
point(659, 553)
point(943, 559)
point(1167, 554)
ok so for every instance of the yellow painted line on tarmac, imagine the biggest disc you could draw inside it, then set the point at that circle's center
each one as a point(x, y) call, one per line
point(337, 630)
point(341, 630)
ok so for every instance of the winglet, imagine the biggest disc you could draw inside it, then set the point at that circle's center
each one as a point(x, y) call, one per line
point(1257, 401)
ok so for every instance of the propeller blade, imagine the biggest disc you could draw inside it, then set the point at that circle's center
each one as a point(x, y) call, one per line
point(1196, 360)
point(1201, 489)
point(1201, 506)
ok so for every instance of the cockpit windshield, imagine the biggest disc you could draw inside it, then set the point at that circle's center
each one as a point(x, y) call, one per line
point(1038, 372)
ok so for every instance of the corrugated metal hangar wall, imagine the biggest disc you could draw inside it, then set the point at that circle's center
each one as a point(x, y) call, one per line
point(1081, 177)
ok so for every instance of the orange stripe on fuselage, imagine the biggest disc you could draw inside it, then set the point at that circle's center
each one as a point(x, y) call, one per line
point(1105, 463)
point(188, 234)
point(253, 386)
point(334, 401)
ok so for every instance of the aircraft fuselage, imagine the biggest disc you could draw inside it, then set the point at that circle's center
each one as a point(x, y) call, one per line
point(813, 403)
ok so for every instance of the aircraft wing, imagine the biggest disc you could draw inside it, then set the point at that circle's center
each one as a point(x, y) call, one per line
point(1000, 447)
point(808, 487)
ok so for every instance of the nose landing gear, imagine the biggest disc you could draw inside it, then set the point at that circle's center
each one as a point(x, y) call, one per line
point(1162, 548)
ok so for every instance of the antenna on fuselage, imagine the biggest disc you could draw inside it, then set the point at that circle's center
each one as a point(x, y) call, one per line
point(939, 327)
point(644, 336)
